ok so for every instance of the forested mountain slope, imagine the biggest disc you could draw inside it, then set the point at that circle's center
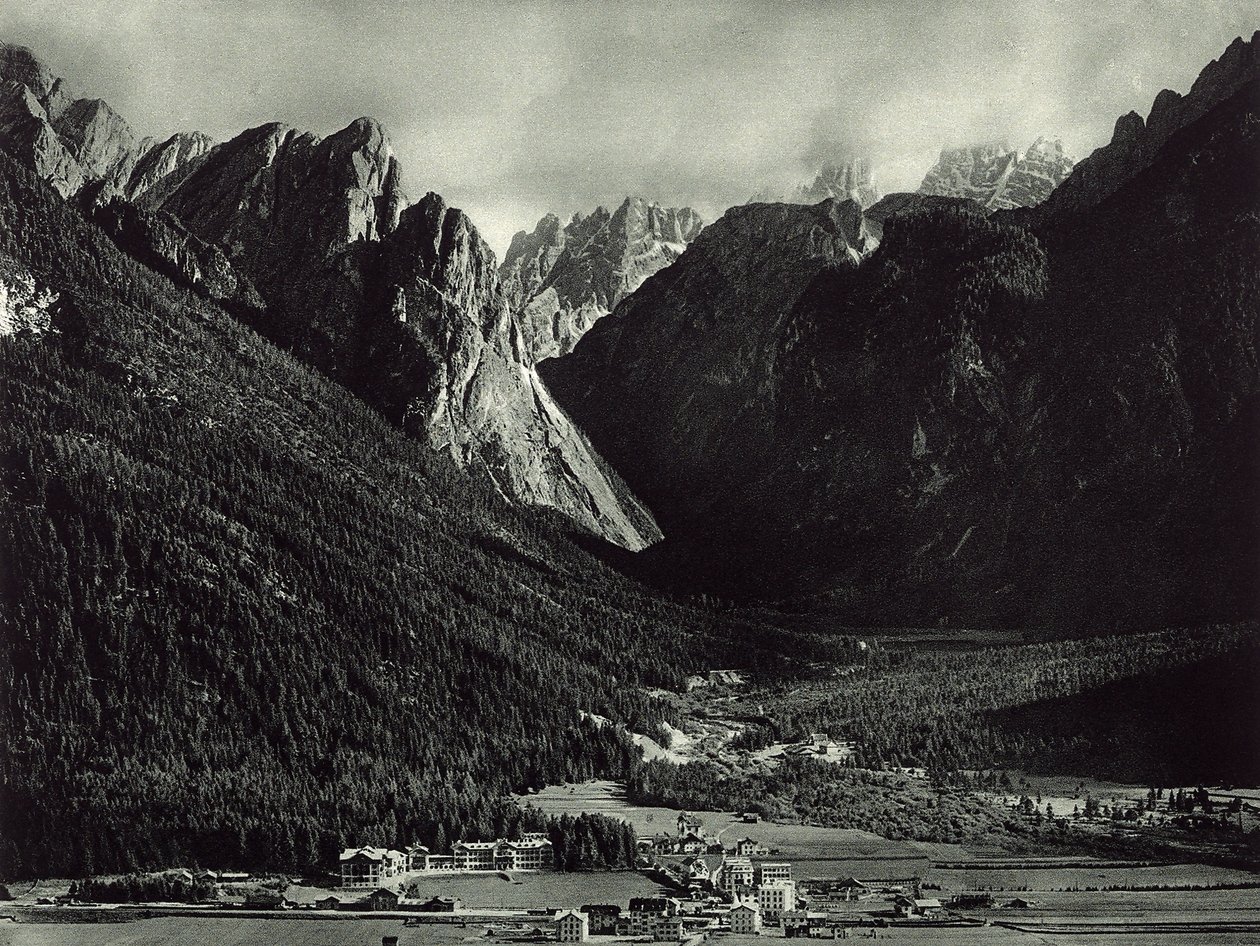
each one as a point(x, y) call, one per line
point(301, 236)
point(246, 621)
point(1028, 419)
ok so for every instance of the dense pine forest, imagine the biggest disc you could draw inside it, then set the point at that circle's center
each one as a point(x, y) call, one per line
point(1165, 709)
point(1168, 707)
point(245, 622)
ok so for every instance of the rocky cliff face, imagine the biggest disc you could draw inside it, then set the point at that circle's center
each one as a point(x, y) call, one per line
point(678, 387)
point(839, 180)
point(405, 306)
point(298, 215)
point(980, 421)
point(77, 143)
point(1135, 144)
point(561, 280)
point(311, 240)
point(998, 177)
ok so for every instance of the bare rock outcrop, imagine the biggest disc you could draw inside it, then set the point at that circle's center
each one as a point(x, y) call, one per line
point(562, 280)
point(997, 176)
point(840, 180)
point(76, 143)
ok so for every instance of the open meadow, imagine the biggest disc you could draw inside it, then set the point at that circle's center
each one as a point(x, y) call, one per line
point(233, 931)
point(813, 851)
point(1097, 877)
point(540, 891)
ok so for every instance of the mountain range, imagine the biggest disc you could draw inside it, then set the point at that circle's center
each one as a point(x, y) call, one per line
point(932, 411)
point(325, 527)
point(316, 244)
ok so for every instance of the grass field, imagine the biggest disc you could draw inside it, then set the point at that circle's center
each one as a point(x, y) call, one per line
point(813, 851)
point(539, 891)
point(1059, 878)
point(227, 931)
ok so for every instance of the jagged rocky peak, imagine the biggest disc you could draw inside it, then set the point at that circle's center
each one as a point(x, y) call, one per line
point(851, 179)
point(274, 186)
point(164, 164)
point(439, 245)
point(73, 143)
point(449, 355)
point(561, 280)
point(530, 258)
point(1135, 143)
point(998, 176)
point(403, 304)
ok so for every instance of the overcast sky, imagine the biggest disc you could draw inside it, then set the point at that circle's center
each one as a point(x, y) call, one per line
point(513, 109)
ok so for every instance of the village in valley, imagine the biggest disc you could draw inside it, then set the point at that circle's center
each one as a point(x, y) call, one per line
point(721, 876)
point(707, 888)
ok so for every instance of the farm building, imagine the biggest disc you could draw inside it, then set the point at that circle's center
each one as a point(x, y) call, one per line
point(381, 899)
point(908, 907)
point(439, 905)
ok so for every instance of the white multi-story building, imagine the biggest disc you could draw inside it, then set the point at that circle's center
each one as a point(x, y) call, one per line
point(532, 852)
point(370, 866)
point(736, 873)
point(776, 897)
point(474, 855)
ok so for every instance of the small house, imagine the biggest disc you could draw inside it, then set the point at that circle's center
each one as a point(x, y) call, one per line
point(667, 929)
point(381, 899)
point(439, 905)
point(688, 824)
point(417, 857)
point(328, 903)
point(693, 844)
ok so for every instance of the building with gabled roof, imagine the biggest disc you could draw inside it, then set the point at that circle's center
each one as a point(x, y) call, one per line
point(572, 927)
point(745, 919)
